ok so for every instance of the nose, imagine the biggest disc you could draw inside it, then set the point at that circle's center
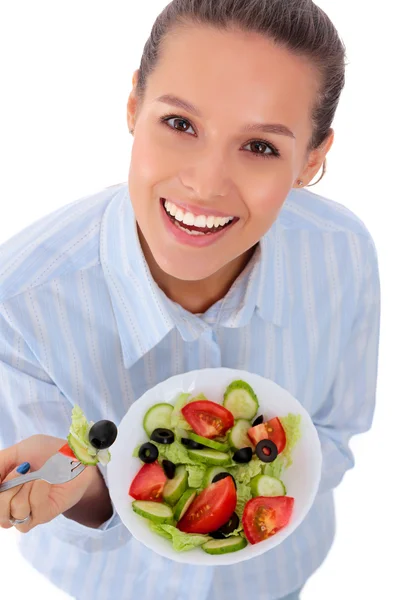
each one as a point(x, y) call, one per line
point(207, 176)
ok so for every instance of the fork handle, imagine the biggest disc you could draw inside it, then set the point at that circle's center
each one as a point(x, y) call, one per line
point(19, 481)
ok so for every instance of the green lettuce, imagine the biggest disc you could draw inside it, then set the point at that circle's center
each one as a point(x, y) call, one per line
point(244, 473)
point(292, 426)
point(181, 541)
point(243, 494)
point(177, 420)
point(196, 475)
point(80, 429)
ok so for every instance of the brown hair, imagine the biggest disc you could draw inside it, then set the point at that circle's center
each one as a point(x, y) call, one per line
point(300, 26)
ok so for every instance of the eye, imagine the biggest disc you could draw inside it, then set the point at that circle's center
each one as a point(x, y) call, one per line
point(178, 120)
point(186, 125)
point(265, 146)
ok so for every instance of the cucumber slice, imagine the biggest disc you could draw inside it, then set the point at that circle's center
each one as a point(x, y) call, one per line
point(209, 443)
point(232, 544)
point(175, 487)
point(210, 457)
point(158, 415)
point(81, 452)
point(237, 436)
point(211, 473)
point(154, 511)
point(184, 503)
point(240, 400)
point(264, 485)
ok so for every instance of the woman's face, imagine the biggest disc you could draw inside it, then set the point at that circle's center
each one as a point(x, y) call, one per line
point(206, 184)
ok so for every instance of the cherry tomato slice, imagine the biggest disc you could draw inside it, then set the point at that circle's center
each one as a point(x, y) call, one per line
point(207, 418)
point(148, 483)
point(263, 517)
point(66, 450)
point(271, 430)
point(212, 508)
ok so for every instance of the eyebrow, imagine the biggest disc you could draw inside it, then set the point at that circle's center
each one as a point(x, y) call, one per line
point(277, 128)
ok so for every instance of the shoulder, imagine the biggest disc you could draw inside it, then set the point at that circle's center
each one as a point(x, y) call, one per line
point(305, 210)
point(62, 242)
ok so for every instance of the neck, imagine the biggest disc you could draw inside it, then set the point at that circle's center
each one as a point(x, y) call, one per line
point(196, 296)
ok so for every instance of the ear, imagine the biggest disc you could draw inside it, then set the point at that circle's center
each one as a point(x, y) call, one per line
point(316, 159)
point(132, 102)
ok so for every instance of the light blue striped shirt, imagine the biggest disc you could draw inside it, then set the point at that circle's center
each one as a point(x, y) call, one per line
point(82, 321)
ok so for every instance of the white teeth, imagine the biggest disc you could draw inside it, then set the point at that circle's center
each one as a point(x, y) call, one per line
point(201, 221)
point(179, 214)
point(210, 222)
point(188, 218)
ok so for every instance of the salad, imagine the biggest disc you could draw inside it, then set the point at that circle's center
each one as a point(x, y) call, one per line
point(89, 442)
point(211, 473)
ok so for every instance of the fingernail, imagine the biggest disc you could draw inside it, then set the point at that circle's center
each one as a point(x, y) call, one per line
point(24, 468)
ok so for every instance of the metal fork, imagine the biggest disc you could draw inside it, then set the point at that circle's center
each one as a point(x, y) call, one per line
point(57, 469)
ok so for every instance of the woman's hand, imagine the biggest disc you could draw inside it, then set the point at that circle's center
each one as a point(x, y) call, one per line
point(43, 500)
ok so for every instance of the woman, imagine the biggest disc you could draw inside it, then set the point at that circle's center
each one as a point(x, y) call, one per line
point(213, 254)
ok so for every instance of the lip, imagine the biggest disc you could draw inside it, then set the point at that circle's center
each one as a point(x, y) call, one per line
point(197, 241)
point(198, 210)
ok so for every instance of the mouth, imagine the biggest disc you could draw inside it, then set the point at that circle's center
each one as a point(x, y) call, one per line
point(196, 225)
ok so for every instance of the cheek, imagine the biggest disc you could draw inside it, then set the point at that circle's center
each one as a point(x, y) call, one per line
point(265, 202)
point(149, 162)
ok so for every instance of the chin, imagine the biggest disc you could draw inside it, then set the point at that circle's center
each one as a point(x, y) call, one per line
point(187, 270)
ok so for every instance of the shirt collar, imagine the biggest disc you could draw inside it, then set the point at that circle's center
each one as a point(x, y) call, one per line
point(144, 315)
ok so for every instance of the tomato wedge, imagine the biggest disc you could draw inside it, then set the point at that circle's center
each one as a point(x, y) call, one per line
point(271, 430)
point(263, 517)
point(212, 508)
point(207, 418)
point(66, 450)
point(148, 483)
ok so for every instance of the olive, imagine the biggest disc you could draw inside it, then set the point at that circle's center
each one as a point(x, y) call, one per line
point(230, 525)
point(162, 436)
point(243, 455)
point(169, 468)
point(258, 421)
point(148, 453)
point(269, 445)
point(220, 476)
point(192, 444)
point(103, 434)
point(217, 535)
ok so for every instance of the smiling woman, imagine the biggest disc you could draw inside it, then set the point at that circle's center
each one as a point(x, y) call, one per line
point(212, 254)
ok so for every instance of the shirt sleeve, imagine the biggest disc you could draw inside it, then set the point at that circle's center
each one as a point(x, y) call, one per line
point(350, 406)
point(30, 404)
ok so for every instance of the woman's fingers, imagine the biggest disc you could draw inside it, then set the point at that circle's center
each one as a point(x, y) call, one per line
point(20, 507)
point(15, 501)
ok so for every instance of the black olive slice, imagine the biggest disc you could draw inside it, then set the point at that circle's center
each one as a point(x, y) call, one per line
point(148, 453)
point(258, 421)
point(169, 468)
point(103, 434)
point(243, 455)
point(268, 445)
point(230, 525)
point(162, 436)
point(191, 444)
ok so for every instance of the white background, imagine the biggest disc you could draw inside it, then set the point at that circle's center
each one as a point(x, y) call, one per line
point(65, 75)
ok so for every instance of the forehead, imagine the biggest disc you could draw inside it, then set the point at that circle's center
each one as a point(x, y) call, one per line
point(241, 70)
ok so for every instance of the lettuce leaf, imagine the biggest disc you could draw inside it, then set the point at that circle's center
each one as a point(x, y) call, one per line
point(80, 429)
point(181, 541)
point(243, 494)
point(196, 475)
point(292, 426)
point(244, 473)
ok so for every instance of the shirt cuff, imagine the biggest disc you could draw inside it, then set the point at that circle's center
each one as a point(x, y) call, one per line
point(109, 535)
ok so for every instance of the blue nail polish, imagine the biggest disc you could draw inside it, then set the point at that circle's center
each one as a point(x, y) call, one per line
point(24, 468)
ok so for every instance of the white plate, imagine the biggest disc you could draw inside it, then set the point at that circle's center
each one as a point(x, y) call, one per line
point(301, 479)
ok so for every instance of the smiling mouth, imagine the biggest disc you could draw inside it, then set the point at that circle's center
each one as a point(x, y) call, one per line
point(196, 225)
